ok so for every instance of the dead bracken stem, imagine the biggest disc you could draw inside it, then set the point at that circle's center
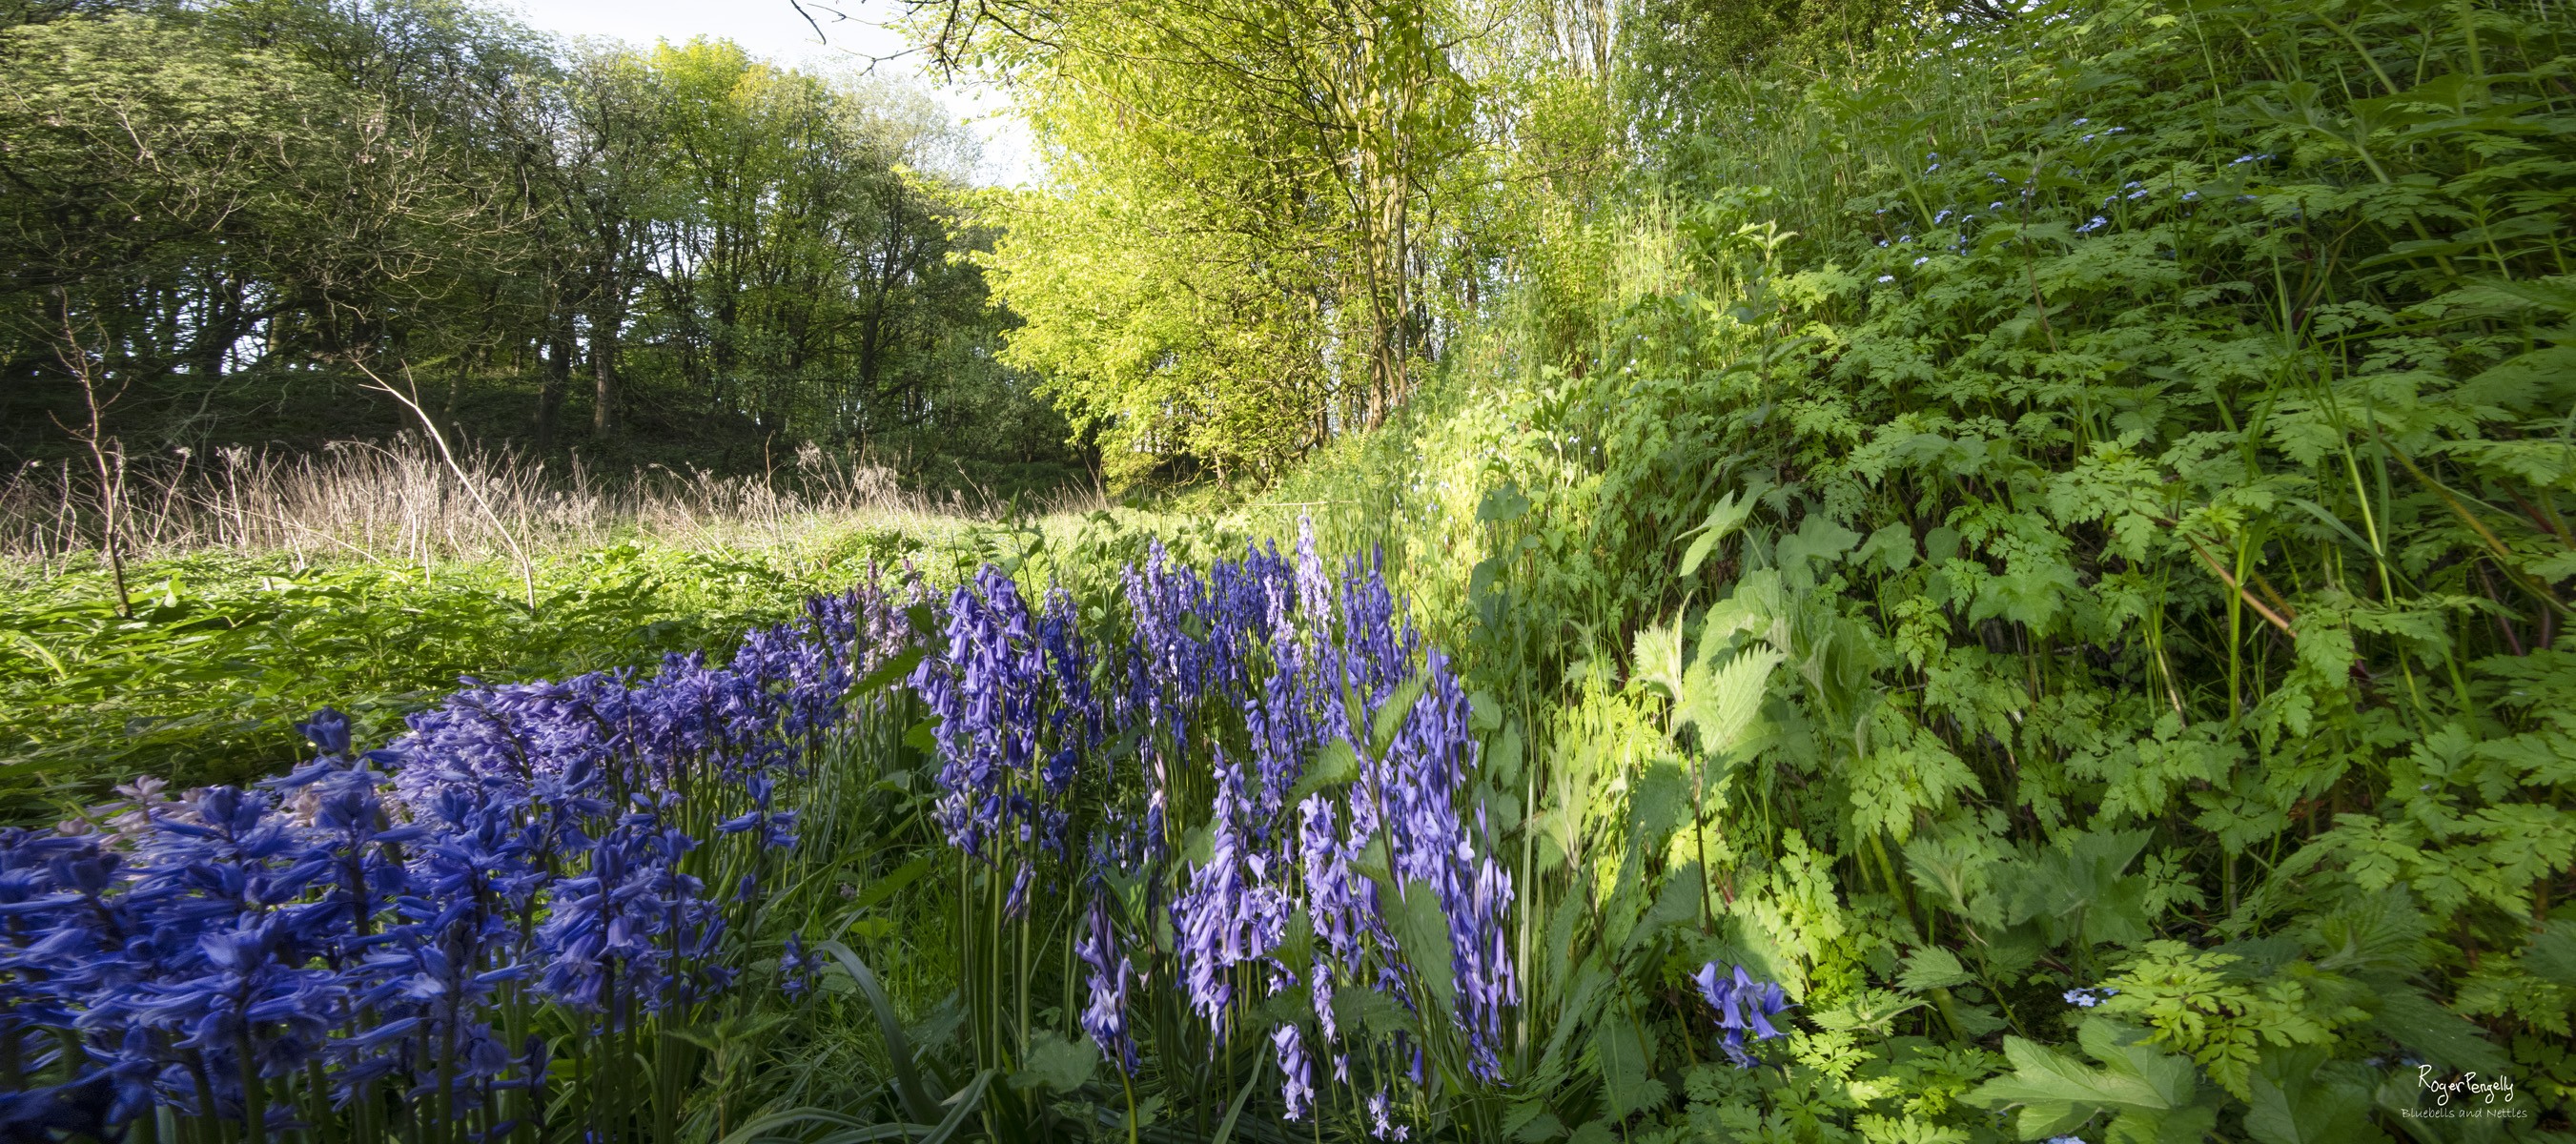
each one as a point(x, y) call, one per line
point(527, 568)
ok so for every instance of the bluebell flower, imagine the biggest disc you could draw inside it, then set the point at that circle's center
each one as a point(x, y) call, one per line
point(1297, 1073)
point(796, 967)
point(1744, 1006)
point(328, 730)
point(1105, 1017)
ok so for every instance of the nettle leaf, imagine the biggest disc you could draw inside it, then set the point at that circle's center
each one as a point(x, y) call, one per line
point(2150, 1092)
point(1933, 967)
point(1334, 765)
point(1625, 1055)
point(2383, 932)
point(1390, 715)
point(1660, 803)
point(2552, 953)
point(1677, 903)
point(1529, 1122)
point(1657, 658)
point(1371, 1010)
point(1057, 1064)
point(1721, 702)
point(2418, 1022)
point(2300, 1099)
point(1423, 932)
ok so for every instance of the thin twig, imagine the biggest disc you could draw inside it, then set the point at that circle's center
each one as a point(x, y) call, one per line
point(2248, 597)
point(527, 570)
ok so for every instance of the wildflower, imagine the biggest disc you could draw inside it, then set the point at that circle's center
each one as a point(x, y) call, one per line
point(1381, 1125)
point(2088, 998)
point(796, 967)
point(1297, 1084)
point(2098, 223)
point(1105, 1018)
point(1886, 278)
point(329, 731)
point(1018, 899)
point(1743, 1005)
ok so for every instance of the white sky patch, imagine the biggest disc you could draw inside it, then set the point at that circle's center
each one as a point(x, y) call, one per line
point(774, 30)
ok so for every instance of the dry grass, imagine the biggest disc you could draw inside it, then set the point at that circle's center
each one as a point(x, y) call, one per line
point(399, 502)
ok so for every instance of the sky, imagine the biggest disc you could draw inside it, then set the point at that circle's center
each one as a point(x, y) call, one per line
point(852, 31)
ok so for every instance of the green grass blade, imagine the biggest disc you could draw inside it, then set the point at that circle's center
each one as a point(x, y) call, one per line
point(907, 1076)
point(1243, 1096)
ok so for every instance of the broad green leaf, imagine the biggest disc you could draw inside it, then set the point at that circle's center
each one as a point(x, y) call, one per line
point(1932, 967)
point(1057, 1064)
point(2297, 1098)
point(2552, 953)
point(1390, 715)
point(1333, 765)
point(1626, 1057)
point(1660, 802)
point(1721, 702)
point(1423, 932)
point(2420, 1023)
point(1728, 514)
point(899, 666)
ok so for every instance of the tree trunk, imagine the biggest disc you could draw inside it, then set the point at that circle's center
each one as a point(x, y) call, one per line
point(551, 385)
point(603, 369)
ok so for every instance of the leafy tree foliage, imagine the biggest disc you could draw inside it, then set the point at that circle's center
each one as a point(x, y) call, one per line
point(226, 210)
point(1254, 216)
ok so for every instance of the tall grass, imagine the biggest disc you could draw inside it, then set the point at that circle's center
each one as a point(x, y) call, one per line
point(398, 501)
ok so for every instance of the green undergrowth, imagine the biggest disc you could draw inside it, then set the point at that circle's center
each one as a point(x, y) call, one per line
point(2083, 506)
point(224, 652)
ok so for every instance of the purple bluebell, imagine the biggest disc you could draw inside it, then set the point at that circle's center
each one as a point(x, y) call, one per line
point(1105, 1017)
point(1743, 1006)
point(1297, 1073)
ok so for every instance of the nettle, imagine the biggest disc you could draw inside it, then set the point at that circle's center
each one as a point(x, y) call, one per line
point(2067, 572)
